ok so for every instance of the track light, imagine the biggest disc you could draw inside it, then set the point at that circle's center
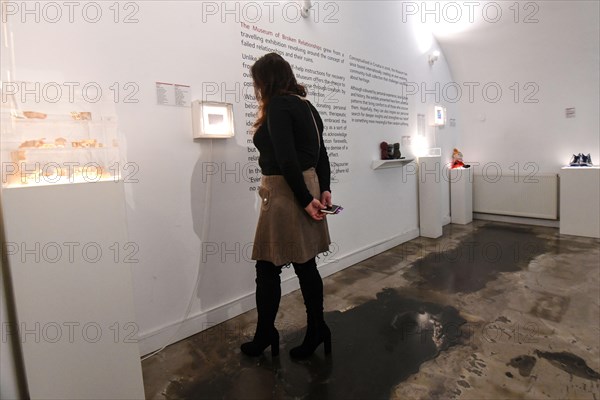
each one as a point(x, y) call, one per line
point(433, 57)
point(306, 6)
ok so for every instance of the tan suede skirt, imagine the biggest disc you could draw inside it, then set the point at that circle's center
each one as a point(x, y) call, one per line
point(285, 233)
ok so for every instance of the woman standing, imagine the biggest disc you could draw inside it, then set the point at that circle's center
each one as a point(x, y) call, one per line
point(294, 189)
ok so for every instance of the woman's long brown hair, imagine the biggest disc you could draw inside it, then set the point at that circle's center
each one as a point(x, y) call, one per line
point(272, 76)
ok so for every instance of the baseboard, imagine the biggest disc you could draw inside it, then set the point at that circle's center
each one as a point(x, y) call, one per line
point(446, 220)
point(517, 220)
point(158, 338)
point(337, 264)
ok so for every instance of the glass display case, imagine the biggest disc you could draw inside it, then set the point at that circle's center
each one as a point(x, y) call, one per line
point(47, 149)
point(49, 142)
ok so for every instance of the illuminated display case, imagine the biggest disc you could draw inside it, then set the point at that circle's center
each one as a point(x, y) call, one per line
point(47, 142)
point(49, 150)
point(46, 149)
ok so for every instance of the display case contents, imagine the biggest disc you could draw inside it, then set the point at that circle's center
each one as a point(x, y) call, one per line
point(41, 149)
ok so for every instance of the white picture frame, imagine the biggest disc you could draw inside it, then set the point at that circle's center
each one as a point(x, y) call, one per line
point(439, 116)
point(212, 120)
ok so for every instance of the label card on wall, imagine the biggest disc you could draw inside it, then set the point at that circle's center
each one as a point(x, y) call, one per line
point(171, 94)
point(182, 95)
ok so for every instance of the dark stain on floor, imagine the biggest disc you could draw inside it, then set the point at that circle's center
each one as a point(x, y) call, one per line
point(569, 363)
point(391, 336)
point(550, 306)
point(477, 259)
point(524, 364)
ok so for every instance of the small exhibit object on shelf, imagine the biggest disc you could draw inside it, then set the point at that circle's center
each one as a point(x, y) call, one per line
point(457, 160)
point(581, 160)
point(212, 120)
point(390, 151)
point(390, 156)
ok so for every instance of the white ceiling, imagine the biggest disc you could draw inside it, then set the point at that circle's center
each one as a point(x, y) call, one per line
point(564, 39)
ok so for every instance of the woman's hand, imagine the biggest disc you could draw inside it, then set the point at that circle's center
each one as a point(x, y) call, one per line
point(326, 199)
point(314, 210)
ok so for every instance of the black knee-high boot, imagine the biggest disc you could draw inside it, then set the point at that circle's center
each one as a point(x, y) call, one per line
point(317, 331)
point(268, 294)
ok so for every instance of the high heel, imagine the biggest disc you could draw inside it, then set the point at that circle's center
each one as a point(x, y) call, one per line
point(311, 285)
point(315, 335)
point(268, 293)
point(257, 346)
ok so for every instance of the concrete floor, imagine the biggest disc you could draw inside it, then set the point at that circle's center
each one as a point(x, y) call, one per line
point(487, 311)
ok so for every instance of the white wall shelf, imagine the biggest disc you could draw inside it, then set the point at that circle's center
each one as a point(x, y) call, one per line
point(383, 164)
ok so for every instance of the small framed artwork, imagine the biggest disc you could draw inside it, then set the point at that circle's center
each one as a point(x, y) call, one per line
point(212, 120)
point(439, 116)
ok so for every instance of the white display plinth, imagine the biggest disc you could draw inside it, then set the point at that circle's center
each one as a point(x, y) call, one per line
point(70, 264)
point(580, 201)
point(430, 196)
point(461, 195)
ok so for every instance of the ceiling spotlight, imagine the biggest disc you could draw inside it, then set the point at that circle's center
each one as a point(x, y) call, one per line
point(433, 57)
point(306, 6)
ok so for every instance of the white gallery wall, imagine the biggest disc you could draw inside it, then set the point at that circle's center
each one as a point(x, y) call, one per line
point(191, 209)
point(544, 56)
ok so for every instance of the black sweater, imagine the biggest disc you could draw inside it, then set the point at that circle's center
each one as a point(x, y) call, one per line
point(288, 144)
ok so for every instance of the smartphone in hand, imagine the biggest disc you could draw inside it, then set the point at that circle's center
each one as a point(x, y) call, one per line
point(333, 209)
